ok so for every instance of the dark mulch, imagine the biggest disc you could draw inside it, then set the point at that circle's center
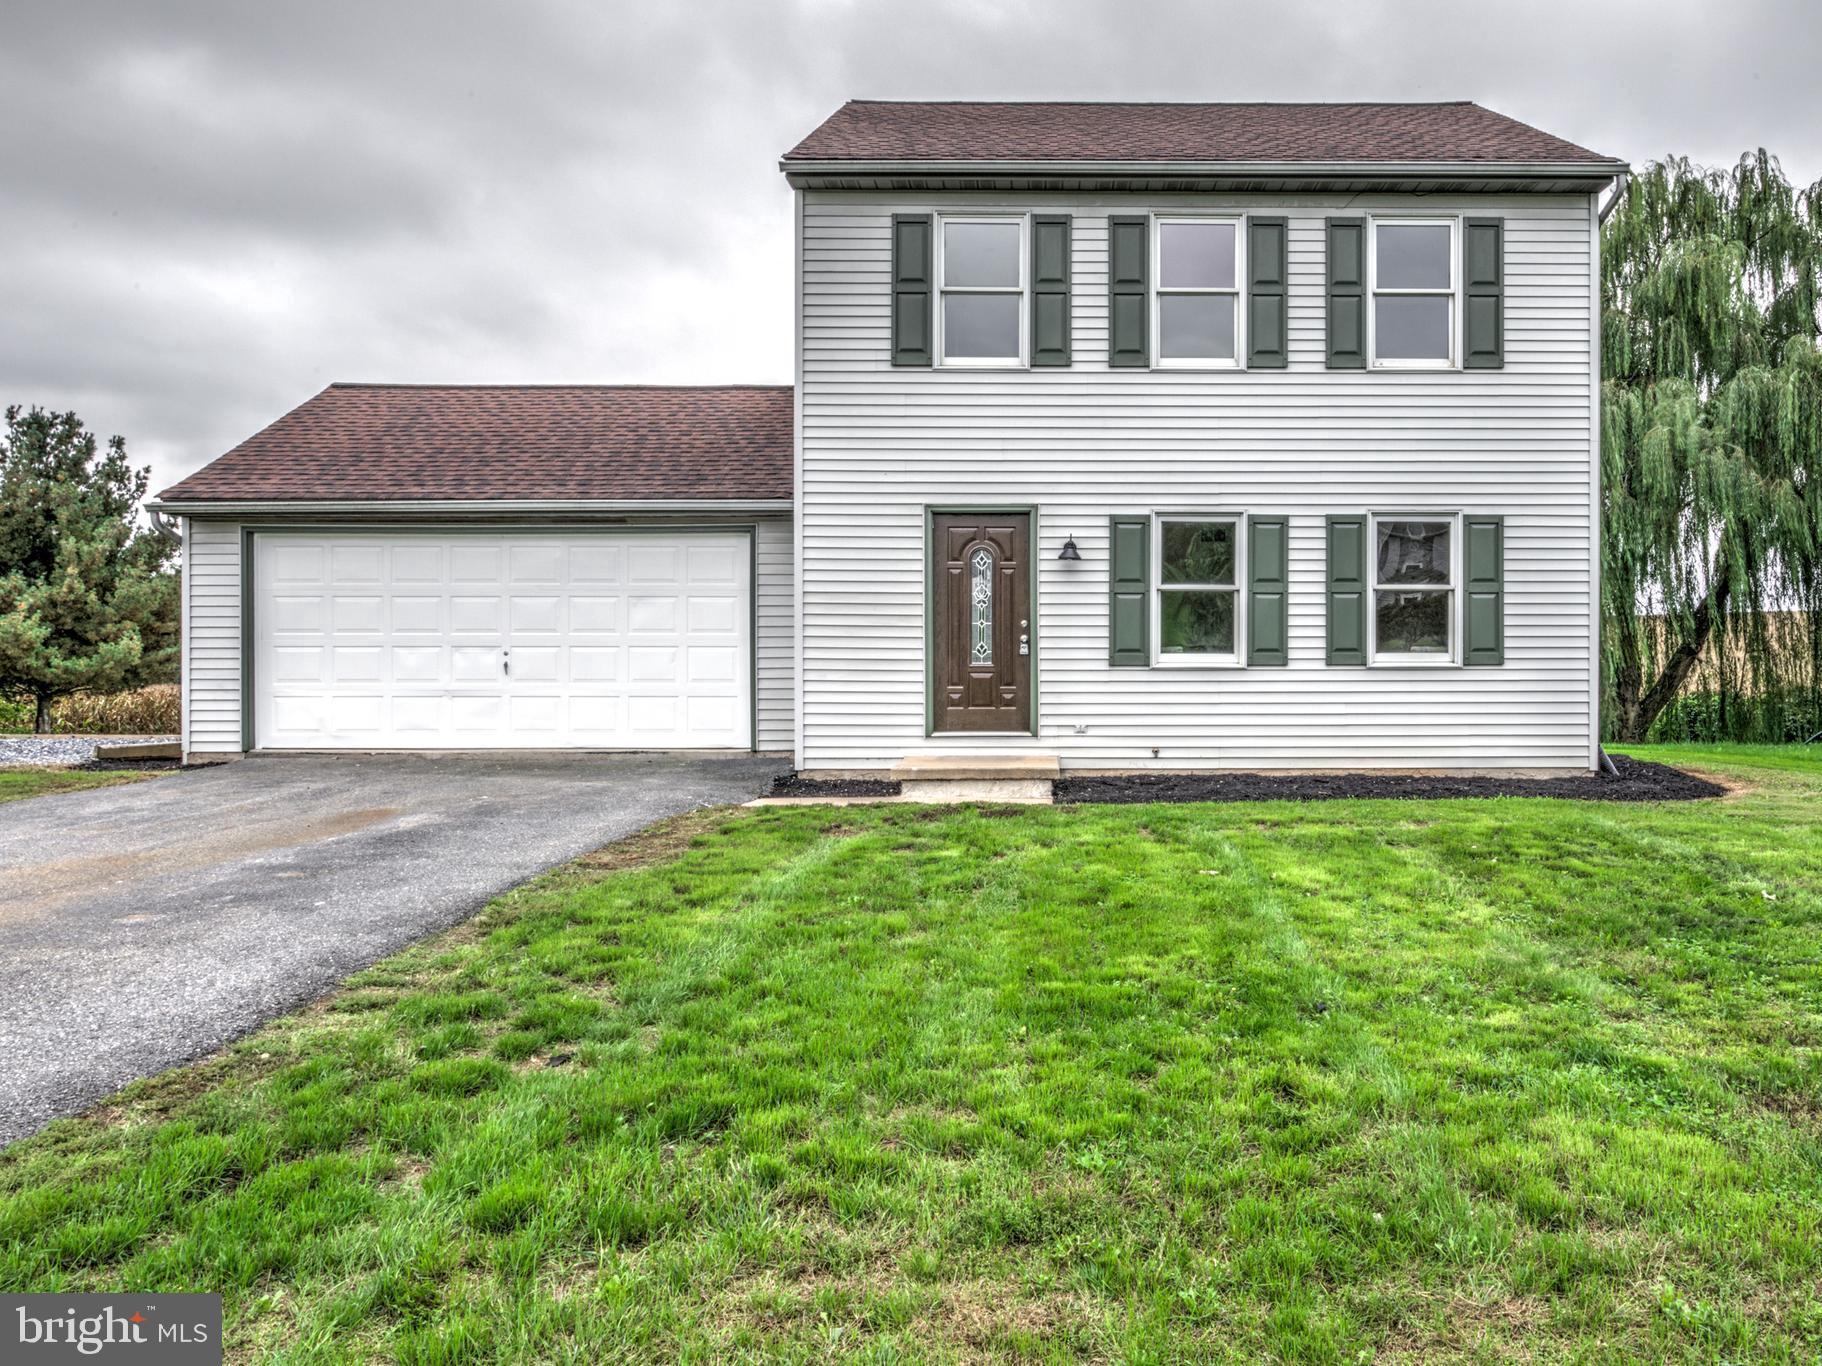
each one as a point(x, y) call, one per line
point(1637, 781)
point(129, 765)
point(796, 785)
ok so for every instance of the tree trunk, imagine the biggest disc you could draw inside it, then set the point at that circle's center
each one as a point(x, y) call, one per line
point(1628, 678)
point(1637, 711)
point(42, 724)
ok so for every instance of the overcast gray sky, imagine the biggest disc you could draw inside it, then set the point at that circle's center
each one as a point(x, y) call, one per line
point(210, 210)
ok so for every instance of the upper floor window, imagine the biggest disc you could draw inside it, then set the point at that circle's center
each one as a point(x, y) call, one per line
point(1198, 292)
point(981, 270)
point(1413, 265)
point(1414, 589)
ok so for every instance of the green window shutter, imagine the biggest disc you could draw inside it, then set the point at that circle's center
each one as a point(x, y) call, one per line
point(1267, 327)
point(1483, 279)
point(1483, 590)
point(1129, 592)
point(911, 288)
point(1050, 289)
point(1347, 589)
point(1128, 280)
point(1267, 583)
point(1347, 293)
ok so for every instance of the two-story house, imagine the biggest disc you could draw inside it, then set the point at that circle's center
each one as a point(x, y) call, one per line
point(1141, 436)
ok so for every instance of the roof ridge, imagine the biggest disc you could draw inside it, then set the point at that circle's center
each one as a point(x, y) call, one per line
point(1199, 104)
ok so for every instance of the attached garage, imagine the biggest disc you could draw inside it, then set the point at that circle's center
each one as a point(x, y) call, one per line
point(405, 567)
point(485, 640)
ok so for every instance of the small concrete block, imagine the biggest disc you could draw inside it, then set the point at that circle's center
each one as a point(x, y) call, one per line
point(137, 749)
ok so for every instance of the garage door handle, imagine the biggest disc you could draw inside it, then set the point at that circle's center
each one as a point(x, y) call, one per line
point(506, 662)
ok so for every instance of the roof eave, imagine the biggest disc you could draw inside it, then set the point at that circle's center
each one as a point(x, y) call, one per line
point(802, 171)
point(350, 507)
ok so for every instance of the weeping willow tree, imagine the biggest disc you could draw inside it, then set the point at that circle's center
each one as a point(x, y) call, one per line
point(1711, 433)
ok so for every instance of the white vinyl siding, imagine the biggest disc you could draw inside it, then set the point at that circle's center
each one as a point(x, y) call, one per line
point(212, 645)
point(211, 629)
point(1086, 442)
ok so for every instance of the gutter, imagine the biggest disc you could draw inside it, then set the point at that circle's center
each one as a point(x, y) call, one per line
point(393, 507)
point(1541, 170)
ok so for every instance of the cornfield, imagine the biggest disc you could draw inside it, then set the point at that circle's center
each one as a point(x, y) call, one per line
point(142, 711)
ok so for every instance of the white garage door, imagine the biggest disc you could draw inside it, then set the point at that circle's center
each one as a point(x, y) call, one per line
point(456, 640)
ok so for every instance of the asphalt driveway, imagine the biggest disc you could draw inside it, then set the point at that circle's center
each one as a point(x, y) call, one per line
point(146, 925)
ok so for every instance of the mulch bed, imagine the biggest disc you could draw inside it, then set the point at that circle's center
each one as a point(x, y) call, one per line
point(1637, 781)
point(795, 785)
point(128, 765)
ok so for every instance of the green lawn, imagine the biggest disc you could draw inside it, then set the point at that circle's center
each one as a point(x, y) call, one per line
point(1327, 1082)
point(18, 783)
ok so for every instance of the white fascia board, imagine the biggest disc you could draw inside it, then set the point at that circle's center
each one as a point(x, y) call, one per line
point(504, 507)
point(1541, 170)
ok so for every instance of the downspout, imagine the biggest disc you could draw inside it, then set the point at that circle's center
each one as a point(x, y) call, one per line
point(165, 525)
point(1613, 201)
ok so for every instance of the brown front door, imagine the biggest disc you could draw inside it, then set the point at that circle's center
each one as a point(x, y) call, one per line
point(981, 620)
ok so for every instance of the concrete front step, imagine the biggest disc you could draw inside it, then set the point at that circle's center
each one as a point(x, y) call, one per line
point(977, 768)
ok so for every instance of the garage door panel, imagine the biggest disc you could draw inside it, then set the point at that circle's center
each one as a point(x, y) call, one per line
point(355, 664)
point(299, 664)
point(417, 564)
point(651, 615)
point(592, 564)
point(296, 564)
point(471, 665)
point(420, 716)
point(712, 565)
point(647, 562)
point(474, 562)
point(535, 562)
point(536, 663)
point(413, 615)
point(352, 565)
point(289, 612)
point(711, 664)
point(417, 663)
point(536, 614)
point(712, 614)
point(358, 614)
point(614, 640)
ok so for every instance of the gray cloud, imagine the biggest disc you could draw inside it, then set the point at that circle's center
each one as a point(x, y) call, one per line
point(209, 210)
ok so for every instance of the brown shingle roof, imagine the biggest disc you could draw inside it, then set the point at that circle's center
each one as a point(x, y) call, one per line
point(883, 130)
point(379, 442)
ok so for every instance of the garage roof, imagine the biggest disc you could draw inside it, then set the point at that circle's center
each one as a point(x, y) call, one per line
point(510, 442)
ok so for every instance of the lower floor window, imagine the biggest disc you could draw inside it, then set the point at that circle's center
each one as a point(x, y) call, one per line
point(1414, 587)
point(1198, 588)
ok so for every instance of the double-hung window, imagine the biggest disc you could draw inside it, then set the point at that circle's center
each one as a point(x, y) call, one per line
point(1414, 573)
point(981, 269)
point(1198, 574)
point(1198, 292)
point(1414, 285)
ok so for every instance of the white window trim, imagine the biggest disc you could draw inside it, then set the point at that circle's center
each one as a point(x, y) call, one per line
point(1022, 360)
point(1236, 660)
point(1452, 293)
point(1158, 291)
point(1401, 660)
